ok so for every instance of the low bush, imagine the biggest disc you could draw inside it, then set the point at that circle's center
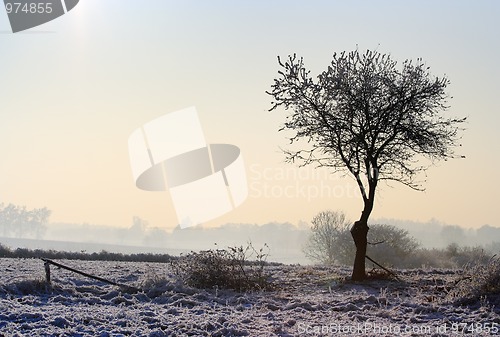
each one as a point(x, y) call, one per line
point(451, 257)
point(224, 268)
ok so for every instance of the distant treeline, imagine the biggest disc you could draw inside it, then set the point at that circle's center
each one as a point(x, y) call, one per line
point(280, 236)
point(18, 221)
point(25, 253)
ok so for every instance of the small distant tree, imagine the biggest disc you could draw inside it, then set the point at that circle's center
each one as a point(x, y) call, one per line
point(326, 242)
point(366, 117)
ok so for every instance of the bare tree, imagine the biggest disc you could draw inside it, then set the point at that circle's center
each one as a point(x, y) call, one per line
point(366, 117)
point(326, 240)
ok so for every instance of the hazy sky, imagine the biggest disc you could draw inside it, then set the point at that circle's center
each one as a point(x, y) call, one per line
point(73, 90)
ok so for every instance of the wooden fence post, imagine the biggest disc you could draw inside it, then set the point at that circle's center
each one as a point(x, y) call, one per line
point(47, 272)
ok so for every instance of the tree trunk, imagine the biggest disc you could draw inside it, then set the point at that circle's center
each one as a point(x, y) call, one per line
point(359, 232)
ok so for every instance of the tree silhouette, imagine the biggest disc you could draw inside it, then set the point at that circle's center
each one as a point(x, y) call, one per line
point(365, 116)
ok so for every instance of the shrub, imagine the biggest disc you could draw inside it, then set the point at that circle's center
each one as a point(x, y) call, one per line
point(429, 258)
point(390, 245)
point(478, 281)
point(462, 256)
point(453, 256)
point(224, 268)
point(5, 251)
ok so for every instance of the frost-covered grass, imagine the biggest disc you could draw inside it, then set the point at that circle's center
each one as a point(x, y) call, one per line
point(478, 281)
point(305, 301)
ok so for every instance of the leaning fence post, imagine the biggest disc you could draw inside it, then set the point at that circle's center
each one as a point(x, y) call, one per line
point(47, 272)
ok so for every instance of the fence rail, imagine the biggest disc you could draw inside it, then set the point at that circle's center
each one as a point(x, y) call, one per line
point(48, 262)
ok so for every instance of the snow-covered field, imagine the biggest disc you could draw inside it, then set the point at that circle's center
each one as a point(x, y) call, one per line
point(308, 301)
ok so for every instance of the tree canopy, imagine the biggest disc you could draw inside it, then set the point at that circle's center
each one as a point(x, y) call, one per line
point(365, 115)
